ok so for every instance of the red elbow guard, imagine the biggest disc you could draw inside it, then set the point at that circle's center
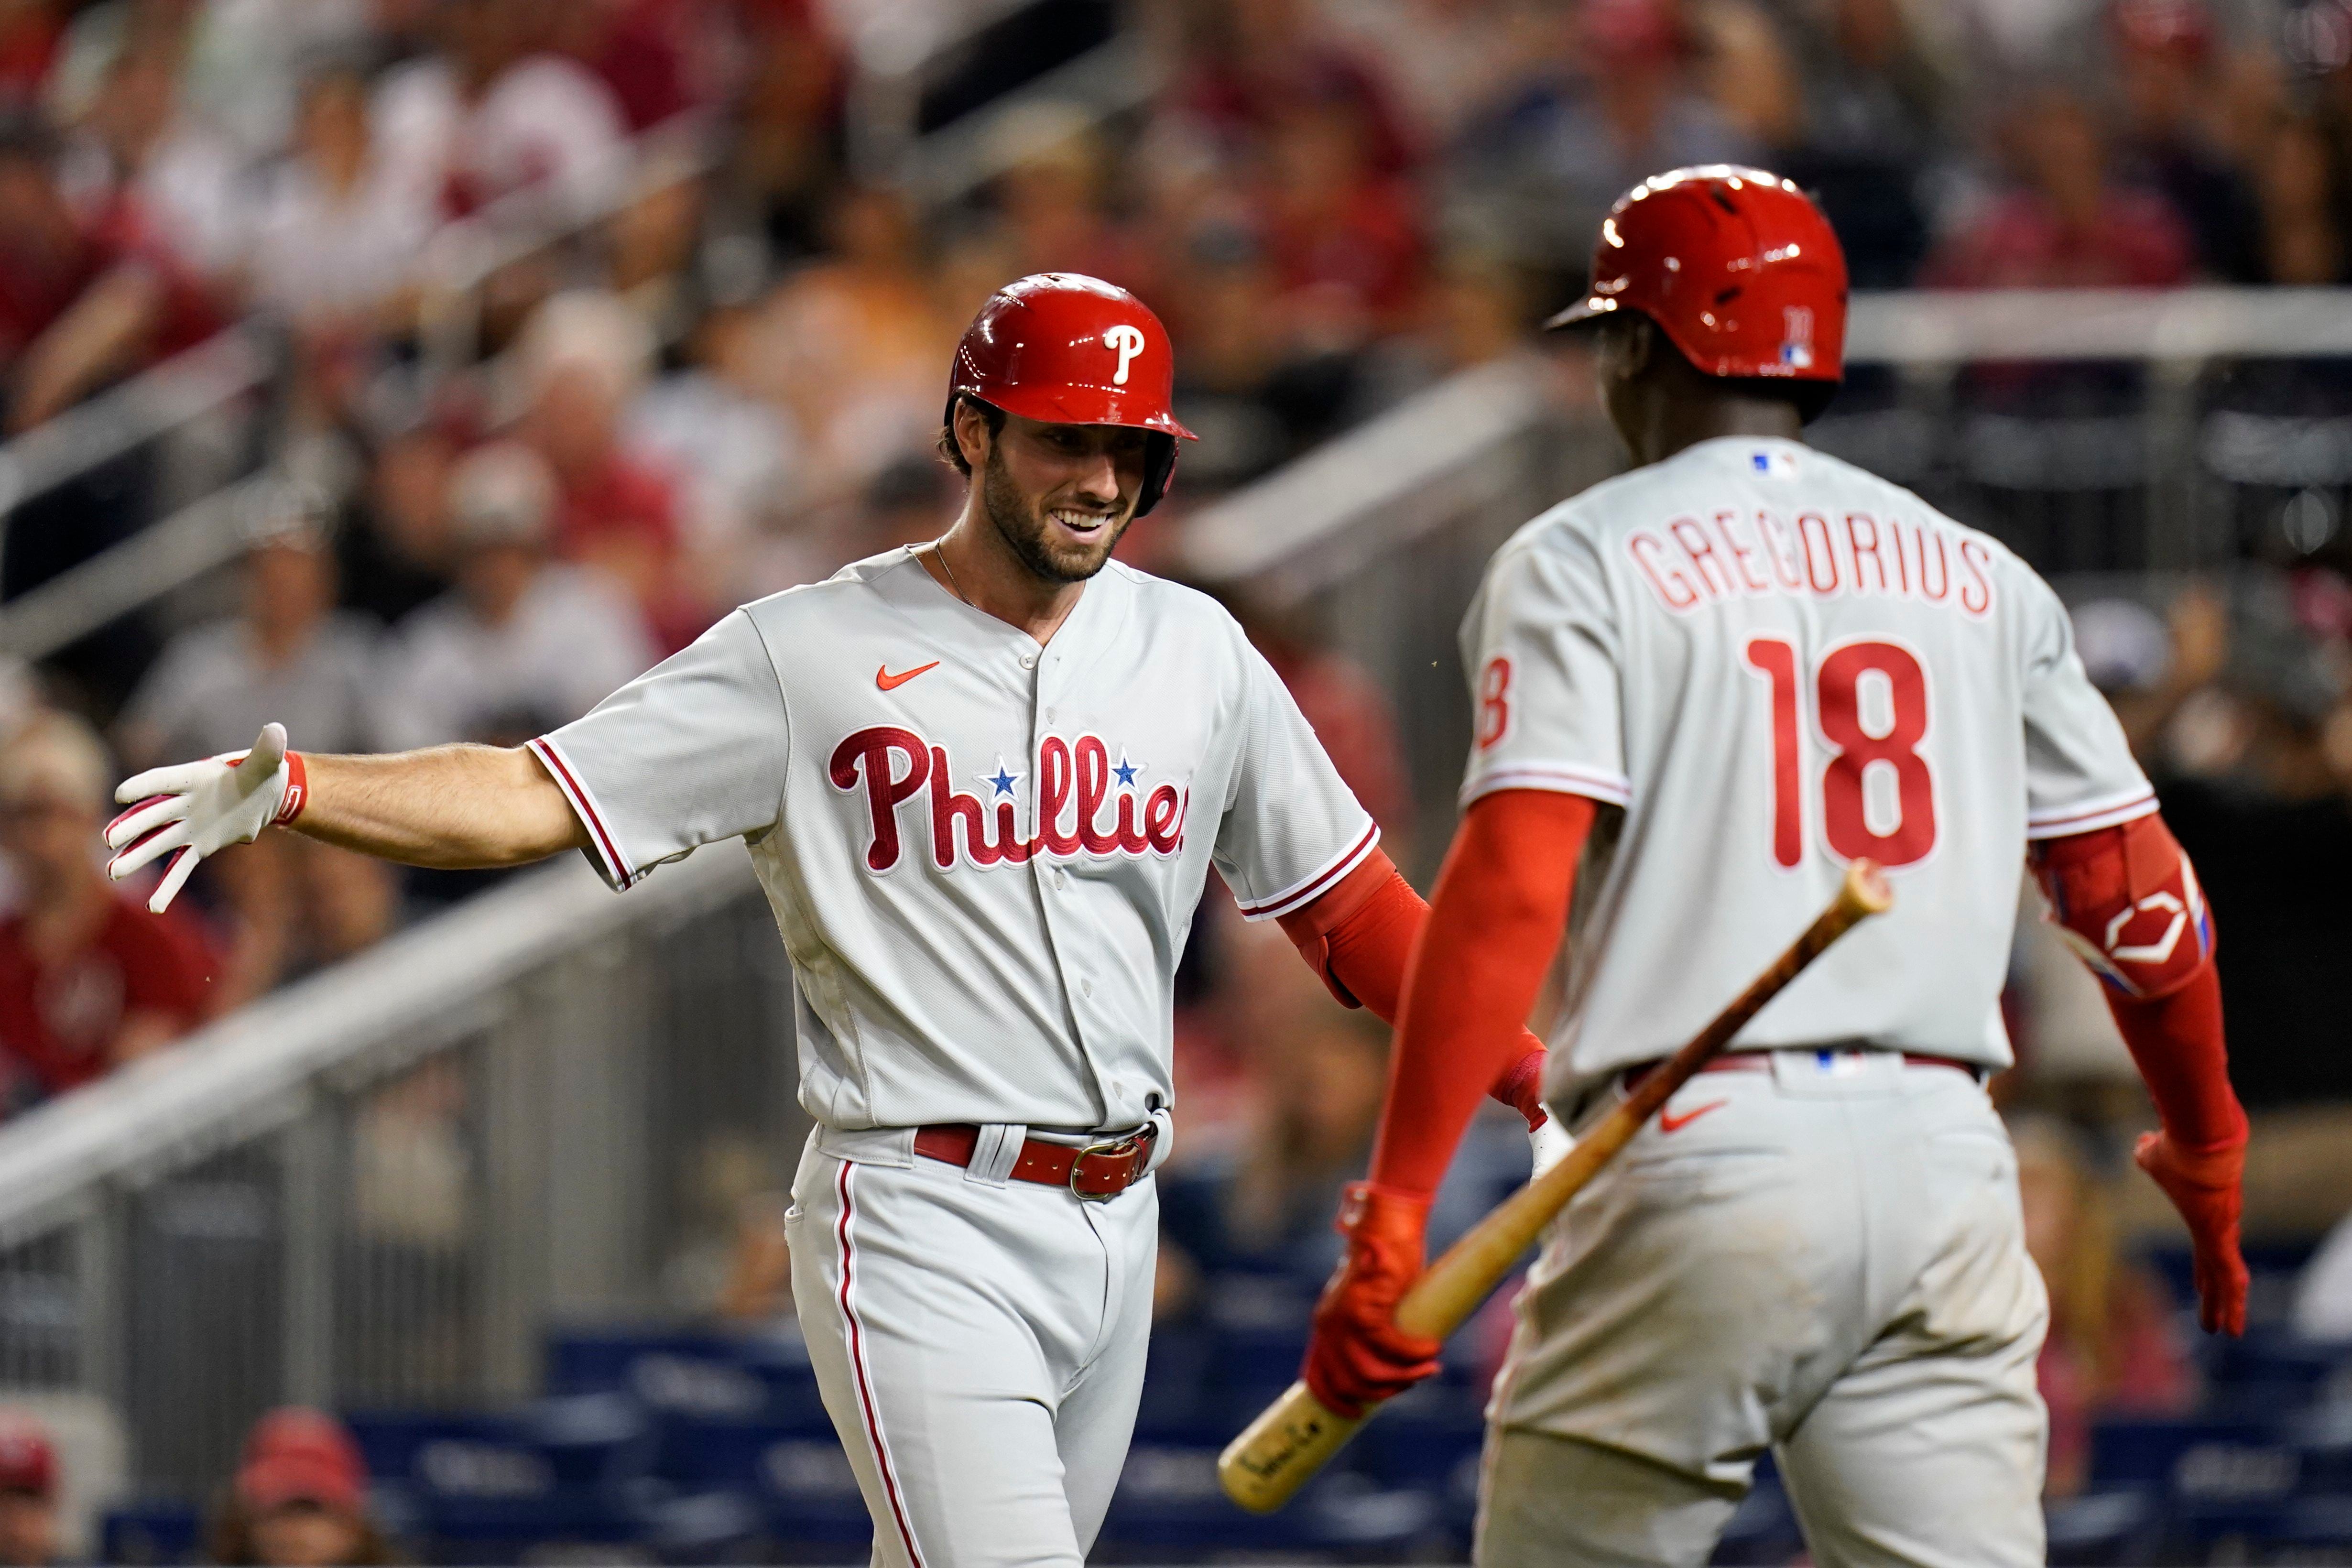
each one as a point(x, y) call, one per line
point(2126, 899)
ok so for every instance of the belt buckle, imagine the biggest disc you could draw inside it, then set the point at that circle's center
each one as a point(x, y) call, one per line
point(1115, 1146)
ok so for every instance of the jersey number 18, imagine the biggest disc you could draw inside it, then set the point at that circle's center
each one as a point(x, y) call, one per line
point(1837, 707)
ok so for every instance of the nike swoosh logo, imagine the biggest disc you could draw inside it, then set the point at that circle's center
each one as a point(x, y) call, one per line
point(1669, 1122)
point(889, 682)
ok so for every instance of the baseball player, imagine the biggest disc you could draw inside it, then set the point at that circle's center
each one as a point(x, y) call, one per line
point(983, 782)
point(1765, 663)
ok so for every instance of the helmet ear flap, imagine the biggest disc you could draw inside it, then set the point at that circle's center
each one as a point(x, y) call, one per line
point(1159, 470)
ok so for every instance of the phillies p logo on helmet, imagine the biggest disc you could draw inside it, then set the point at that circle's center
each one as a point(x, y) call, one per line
point(1125, 340)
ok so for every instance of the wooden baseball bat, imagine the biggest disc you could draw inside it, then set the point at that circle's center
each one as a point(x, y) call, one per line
point(1293, 1438)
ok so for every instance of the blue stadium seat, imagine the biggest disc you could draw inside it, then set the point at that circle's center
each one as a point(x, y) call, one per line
point(151, 1530)
point(1764, 1528)
point(2217, 1477)
point(1170, 1507)
point(2321, 1522)
point(795, 1474)
point(2105, 1527)
point(485, 1487)
point(705, 1528)
point(2270, 1370)
point(1429, 1438)
point(733, 1376)
point(586, 1440)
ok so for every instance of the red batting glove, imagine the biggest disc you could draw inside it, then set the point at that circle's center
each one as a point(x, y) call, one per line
point(1358, 1357)
point(2204, 1185)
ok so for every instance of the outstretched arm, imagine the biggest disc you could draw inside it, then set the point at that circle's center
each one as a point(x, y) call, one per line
point(1500, 908)
point(452, 807)
point(455, 807)
point(2128, 901)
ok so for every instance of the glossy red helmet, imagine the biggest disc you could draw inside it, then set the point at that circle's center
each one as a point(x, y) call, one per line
point(1065, 349)
point(1737, 267)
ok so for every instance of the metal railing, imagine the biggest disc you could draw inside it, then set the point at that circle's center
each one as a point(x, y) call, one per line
point(220, 376)
point(379, 1186)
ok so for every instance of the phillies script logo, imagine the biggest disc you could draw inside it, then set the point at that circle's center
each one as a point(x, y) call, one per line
point(892, 764)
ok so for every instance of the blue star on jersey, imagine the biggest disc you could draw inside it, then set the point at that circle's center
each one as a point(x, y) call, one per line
point(1126, 771)
point(1003, 779)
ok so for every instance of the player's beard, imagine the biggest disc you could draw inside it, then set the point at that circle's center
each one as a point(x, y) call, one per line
point(1028, 532)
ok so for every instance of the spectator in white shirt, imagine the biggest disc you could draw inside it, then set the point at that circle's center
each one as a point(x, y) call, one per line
point(522, 645)
point(288, 655)
point(337, 232)
point(138, 153)
point(495, 114)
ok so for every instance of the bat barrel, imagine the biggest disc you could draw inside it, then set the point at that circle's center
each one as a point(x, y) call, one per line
point(1290, 1440)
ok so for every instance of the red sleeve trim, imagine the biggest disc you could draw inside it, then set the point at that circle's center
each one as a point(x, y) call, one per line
point(584, 805)
point(1306, 892)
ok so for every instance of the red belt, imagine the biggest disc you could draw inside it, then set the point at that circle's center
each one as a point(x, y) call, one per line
point(1761, 1062)
point(1095, 1172)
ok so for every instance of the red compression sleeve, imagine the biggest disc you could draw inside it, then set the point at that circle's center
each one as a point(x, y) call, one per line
point(2176, 1042)
point(1358, 938)
point(1501, 906)
point(2129, 897)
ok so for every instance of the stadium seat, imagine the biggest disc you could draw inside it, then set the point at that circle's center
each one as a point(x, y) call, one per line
point(1429, 1438)
point(1180, 1390)
point(2270, 1370)
point(2218, 1477)
point(2105, 1527)
point(485, 1487)
point(793, 1474)
point(762, 1376)
point(151, 1530)
point(1764, 1528)
point(1169, 1505)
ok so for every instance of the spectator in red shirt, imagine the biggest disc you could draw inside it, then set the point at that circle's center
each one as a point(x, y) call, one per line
point(2068, 224)
point(1344, 239)
point(88, 979)
point(80, 304)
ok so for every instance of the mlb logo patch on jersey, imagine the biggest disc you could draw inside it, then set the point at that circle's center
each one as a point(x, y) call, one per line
point(1772, 463)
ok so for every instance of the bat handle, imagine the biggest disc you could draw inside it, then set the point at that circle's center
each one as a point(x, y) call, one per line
point(1288, 1442)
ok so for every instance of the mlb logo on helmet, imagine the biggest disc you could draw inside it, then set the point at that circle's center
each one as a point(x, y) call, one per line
point(1797, 337)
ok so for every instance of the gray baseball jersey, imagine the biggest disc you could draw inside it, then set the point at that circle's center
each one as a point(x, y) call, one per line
point(983, 854)
point(1777, 663)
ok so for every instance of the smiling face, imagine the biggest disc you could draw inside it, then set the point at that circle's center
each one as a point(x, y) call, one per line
point(1058, 495)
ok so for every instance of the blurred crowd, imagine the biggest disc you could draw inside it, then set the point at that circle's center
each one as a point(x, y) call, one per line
point(592, 320)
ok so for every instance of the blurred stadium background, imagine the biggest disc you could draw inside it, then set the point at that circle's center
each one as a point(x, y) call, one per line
point(492, 1168)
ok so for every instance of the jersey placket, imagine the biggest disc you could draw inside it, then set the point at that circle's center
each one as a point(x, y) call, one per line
point(1051, 678)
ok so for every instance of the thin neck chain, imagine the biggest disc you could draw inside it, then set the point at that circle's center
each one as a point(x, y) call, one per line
point(942, 557)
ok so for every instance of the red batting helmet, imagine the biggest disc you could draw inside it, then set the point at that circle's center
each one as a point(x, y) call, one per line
point(1736, 266)
point(1065, 349)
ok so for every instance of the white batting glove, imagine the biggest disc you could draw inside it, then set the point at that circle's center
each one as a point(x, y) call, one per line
point(190, 809)
point(1551, 1142)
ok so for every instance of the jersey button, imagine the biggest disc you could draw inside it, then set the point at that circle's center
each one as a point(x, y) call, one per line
point(1086, 987)
point(1058, 878)
point(1028, 661)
